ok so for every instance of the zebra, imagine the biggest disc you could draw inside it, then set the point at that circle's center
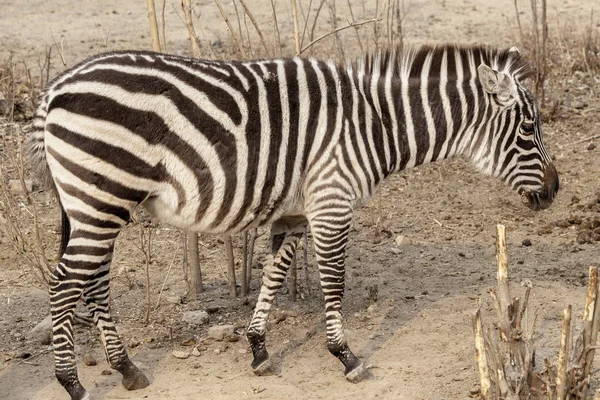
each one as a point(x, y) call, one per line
point(225, 146)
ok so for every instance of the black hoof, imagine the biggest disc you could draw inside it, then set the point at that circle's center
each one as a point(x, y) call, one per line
point(358, 374)
point(133, 378)
point(354, 369)
point(71, 384)
point(261, 364)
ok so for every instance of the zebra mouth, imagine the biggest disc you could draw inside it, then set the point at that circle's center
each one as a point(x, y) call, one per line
point(537, 200)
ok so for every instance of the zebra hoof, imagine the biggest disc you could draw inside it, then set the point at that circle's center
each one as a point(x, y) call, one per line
point(139, 381)
point(357, 374)
point(264, 368)
point(86, 396)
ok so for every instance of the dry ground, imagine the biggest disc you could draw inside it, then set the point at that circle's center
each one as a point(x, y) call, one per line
point(418, 336)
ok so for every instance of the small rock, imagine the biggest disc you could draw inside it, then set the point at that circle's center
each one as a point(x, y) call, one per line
point(402, 240)
point(196, 318)
point(278, 316)
point(395, 250)
point(42, 332)
point(545, 230)
point(188, 342)
point(174, 299)
point(221, 332)
point(217, 351)
point(526, 242)
point(14, 185)
point(195, 352)
point(133, 343)
point(591, 146)
point(180, 354)
point(23, 355)
point(89, 360)
point(584, 237)
point(106, 372)
point(242, 351)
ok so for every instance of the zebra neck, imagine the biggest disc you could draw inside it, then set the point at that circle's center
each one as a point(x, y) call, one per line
point(410, 122)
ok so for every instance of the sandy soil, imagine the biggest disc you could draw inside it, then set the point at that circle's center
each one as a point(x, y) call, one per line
point(417, 337)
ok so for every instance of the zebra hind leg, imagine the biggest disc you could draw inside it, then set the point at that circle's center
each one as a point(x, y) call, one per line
point(97, 298)
point(330, 236)
point(285, 235)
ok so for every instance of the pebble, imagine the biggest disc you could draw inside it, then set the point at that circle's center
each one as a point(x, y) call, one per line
point(197, 317)
point(395, 250)
point(195, 352)
point(242, 351)
point(591, 146)
point(14, 185)
point(217, 351)
point(180, 354)
point(402, 240)
point(106, 372)
point(526, 242)
point(279, 316)
point(174, 299)
point(89, 360)
point(221, 332)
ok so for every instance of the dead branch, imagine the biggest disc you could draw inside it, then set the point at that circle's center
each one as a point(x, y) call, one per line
point(153, 25)
point(563, 356)
point(230, 267)
point(341, 28)
point(296, 30)
point(256, 27)
point(195, 272)
point(186, 5)
point(482, 361)
point(231, 31)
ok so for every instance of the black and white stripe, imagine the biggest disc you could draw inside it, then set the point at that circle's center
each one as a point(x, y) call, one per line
point(220, 147)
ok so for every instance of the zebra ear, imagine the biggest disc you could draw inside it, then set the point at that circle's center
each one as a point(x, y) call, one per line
point(514, 51)
point(494, 82)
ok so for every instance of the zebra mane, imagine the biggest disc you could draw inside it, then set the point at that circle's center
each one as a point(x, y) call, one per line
point(407, 60)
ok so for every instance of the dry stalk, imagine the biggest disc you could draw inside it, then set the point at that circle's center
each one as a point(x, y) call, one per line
point(341, 28)
point(276, 35)
point(186, 5)
point(482, 361)
point(306, 263)
point(502, 277)
point(244, 275)
point(231, 31)
point(294, 279)
point(166, 278)
point(153, 26)
point(195, 272)
point(296, 30)
point(563, 356)
point(163, 28)
point(338, 41)
point(230, 267)
point(258, 31)
point(253, 238)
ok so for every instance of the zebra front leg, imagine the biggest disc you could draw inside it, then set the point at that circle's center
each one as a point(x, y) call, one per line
point(285, 235)
point(97, 299)
point(330, 235)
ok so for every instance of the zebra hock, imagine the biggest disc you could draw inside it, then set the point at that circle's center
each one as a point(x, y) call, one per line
point(225, 146)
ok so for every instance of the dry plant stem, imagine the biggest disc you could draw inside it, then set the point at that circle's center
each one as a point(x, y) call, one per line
point(591, 322)
point(294, 279)
point(341, 28)
point(253, 238)
point(185, 255)
point(230, 267)
point(260, 35)
point(482, 361)
point(498, 362)
point(314, 24)
point(563, 356)
point(503, 291)
point(296, 30)
point(305, 258)
point(356, 30)
point(195, 271)
point(521, 41)
point(276, 35)
point(166, 278)
point(153, 25)
point(146, 246)
point(60, 47)
point(231, 31)
point(163, 28)
point(306, 18)
point(338, 41)
point(244, 277)
point(189, 23)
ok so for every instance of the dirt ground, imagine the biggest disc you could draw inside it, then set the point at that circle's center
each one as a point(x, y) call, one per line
point(417, 337)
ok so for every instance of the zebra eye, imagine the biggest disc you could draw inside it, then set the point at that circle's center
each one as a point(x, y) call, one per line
point(527, 127)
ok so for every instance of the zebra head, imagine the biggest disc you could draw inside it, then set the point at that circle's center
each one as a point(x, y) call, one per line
point(509, 145)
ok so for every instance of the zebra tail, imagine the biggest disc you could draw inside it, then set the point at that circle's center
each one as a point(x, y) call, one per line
point(36, 152)
point(34, 145)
